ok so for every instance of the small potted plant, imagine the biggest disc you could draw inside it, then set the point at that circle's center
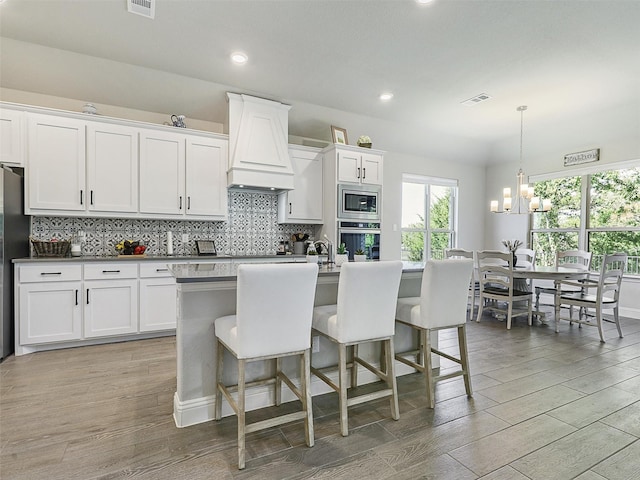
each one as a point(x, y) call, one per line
point(512, 246)
point(341, 255)
point(312, 254)
point(359, 256)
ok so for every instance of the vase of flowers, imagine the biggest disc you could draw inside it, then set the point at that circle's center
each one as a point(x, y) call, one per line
point(512, 246)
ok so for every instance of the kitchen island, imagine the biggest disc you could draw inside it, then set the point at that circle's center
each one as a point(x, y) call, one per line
point(207, 291)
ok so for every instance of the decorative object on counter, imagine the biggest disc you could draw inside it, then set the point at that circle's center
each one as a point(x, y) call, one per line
point(312, 254)
point(512, 246)
point(53, 248)
point(364, 141)
point(339, 135)
point(178, 121)
point(89, 109)
point(169, 243)
point(206, 247)
point(342, 255)
point(281, 248)
point(359, 256)
point(300, 243)
point(128, 248)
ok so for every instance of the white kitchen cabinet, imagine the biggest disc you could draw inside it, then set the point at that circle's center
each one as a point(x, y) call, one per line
point(357, 165)
point(182, 175)
point(110, 299)
point(112, 168)
point(303, 204)
point(11, 137)
point(206, 177)
point(55, 170)
point(162, 172)
point(49, 303)
point(158, 301)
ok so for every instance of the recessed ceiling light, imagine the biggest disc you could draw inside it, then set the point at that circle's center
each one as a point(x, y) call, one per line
point(424, 2)
point(386, 96)
point(239, 58)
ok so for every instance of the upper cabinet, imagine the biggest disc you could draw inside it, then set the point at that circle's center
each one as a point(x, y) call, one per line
point(357, 165)
point(183, 176)
point(304, 203)
point(11, 137)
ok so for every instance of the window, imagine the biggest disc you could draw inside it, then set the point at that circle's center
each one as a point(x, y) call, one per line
point(595, 211)
point(428, 217)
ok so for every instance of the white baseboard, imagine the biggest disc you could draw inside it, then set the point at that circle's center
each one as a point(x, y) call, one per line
point(200, 410)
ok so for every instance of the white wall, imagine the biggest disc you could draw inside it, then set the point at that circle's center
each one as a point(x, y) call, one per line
point(470, 207)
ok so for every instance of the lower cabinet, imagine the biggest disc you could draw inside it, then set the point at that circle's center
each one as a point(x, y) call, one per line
point(110, 307)
point(158, 301)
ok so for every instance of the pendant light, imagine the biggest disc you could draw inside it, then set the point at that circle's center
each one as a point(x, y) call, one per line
point(524, 200)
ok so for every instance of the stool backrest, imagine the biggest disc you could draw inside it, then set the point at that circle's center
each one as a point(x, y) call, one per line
point(444, 292)
point(367, 297)
point(274, 307)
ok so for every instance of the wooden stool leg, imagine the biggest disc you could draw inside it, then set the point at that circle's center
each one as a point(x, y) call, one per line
point(464, 359)
point(220, 355)
point(391, 377)
point(305, 384)
point(241, 414)
point(278, 384)
point(342, 392)
point(428, 369)
point(354, 366)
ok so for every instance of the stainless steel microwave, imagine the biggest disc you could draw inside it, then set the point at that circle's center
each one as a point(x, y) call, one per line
point(359, 202)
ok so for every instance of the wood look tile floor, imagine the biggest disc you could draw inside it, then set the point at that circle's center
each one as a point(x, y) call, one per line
point(545, 406)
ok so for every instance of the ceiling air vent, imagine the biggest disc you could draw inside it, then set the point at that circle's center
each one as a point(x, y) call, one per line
point(146, 8)
point(476, 100)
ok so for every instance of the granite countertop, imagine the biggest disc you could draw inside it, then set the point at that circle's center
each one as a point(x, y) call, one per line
point(220, 272)
point(126, 258)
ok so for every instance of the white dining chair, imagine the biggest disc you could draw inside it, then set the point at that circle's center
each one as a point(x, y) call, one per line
point(271, 322)
point(474, 286)
point(576, 259)
point(496, 277)
point(605, 296)
point(442, 304)
point(364, 313)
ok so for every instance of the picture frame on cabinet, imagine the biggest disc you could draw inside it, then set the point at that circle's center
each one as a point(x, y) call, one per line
point(339, 135)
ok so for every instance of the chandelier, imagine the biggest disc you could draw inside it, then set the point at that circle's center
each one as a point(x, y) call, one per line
point(524, 200)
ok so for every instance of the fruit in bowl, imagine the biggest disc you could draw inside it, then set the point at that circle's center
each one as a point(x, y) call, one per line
point(130, 247)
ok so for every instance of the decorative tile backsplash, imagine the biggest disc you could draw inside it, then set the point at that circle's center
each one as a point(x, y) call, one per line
point(252, 229)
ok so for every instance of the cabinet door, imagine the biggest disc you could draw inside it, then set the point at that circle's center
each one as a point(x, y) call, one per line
point(303, 204)
point(349, 169)
point(11, 137)
point(158, 304)
point(50, 312)
point(161, 173)
point(110, 307)
point(371, 169)
point(206, 177)
point(56, 164)
point(112, 168)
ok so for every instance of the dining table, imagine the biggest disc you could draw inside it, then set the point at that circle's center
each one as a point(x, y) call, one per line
point(548, 272)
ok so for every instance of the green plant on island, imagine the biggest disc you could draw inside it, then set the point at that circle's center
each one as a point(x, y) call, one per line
point(359, 252)
point(342, 249)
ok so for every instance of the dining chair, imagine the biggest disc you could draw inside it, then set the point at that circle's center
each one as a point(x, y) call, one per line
point(473, 284)
point(577, 259)
point(364, 313)
point(606, 296)
point(496, 278)
point(442, 304)
point(271, 322)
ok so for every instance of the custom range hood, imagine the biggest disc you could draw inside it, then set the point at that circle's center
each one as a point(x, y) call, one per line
point(258, 144)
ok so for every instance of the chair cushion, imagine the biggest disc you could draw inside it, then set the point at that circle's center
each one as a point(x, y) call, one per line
point(578, 296)
point(505, 291)
point(325, 320)
point(408, 310)
point(226, 329)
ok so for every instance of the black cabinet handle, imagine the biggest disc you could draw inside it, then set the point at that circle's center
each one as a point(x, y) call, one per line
point(87, 296)
point(364, 173)
point(358, 172)
point(110, 271)
point(81, 197)
point(162, 269)
point(76, 296)
point(91, 196)
point(50, 273)
point(180, 207)
point(188, 203)
point(289, 208)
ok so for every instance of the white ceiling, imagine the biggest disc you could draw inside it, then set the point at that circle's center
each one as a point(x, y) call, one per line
point(564, 59)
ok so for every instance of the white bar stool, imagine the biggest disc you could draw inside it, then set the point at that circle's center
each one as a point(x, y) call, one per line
point(367, 295)
point(442, 304)
point(270, 322)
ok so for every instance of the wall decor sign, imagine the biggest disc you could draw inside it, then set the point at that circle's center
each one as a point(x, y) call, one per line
point(587, 156)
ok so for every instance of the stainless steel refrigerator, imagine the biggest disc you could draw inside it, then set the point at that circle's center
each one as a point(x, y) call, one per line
point(14, 243)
